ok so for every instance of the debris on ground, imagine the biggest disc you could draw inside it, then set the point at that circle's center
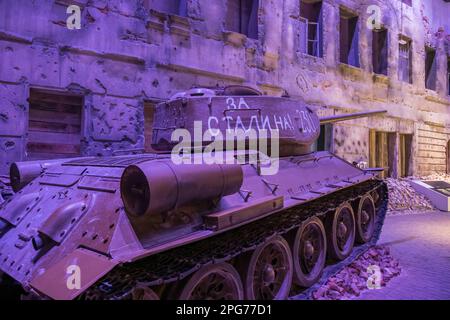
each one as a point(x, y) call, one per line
point(372, 270)
point(403, 198)
point(437, 176)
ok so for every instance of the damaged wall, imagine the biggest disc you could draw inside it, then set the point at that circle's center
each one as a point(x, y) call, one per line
point(130, 52)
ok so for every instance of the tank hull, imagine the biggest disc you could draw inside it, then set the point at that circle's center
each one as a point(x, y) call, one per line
point(71, 218)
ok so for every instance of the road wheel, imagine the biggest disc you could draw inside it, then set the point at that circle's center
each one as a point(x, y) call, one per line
point(214, 282)
point(309, 252)
point(143, 293)
point(365, 219)
point(268, 271)
point(341, 232)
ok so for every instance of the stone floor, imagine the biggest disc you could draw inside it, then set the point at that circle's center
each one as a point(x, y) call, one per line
point(421, 242)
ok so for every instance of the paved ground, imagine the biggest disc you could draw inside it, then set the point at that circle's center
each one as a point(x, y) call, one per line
point(421, 242)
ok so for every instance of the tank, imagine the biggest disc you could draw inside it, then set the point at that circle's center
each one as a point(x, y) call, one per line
point(174, 224)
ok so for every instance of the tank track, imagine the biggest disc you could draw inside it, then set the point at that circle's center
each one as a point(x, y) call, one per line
point(333, 269)
point(176, 264)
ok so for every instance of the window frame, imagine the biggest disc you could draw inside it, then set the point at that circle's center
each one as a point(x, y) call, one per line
point(317, 48)
point(251, 20)
point(347, 15)
point(409, 44)
point(380, 63)
point(432, 71)
point(56, 97)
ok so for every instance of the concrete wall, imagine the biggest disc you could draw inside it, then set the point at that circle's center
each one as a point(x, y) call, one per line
point(127, 53)
point(437, 13)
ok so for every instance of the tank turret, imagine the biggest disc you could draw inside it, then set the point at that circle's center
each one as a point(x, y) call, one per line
point(236, 108)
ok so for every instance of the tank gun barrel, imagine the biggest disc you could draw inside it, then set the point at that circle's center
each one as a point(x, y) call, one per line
point(350, 116)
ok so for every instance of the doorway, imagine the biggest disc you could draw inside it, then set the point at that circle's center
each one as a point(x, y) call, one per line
point(405, 155)
point(382, 151)
point(324, 142)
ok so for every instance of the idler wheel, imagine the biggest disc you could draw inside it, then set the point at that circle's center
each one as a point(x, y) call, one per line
point(268, 271)
point(365, 219)
point(309, 252)
point(143, 293)
point(341, 232)
point(214, 282)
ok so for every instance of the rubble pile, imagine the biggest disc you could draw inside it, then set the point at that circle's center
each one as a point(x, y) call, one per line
point(433, 177)
point(360, 275)
point(402, 197)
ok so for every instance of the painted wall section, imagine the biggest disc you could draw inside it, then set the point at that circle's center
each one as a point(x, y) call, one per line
point(129, 53)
